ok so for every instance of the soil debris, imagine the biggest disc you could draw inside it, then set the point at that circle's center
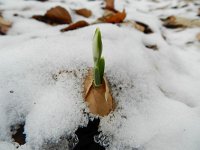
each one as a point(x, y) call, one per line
point(19, 135)
point(180, 22)
point(4, 25)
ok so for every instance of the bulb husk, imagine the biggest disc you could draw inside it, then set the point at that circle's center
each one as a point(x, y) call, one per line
point(98, 98)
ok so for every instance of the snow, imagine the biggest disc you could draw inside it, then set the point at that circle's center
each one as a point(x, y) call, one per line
point(157, 92)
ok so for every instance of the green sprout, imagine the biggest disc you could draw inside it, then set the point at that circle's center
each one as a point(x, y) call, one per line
point(99, 62)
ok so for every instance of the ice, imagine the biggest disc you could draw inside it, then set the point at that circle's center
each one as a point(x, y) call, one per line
point(156, 91)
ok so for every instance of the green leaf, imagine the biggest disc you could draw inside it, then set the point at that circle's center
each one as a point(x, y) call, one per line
point(101, 66)
point(97, 80)
point(97, 46)
point(99, 62)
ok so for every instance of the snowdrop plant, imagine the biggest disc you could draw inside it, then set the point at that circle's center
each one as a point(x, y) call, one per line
point(99, 62)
